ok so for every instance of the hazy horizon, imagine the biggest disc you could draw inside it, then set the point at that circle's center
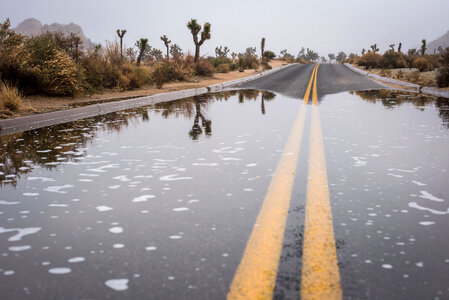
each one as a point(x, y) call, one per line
point(325, 27)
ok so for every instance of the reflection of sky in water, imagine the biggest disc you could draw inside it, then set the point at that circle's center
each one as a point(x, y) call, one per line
point(388, 176)
point(145, 199)
point(118, 199)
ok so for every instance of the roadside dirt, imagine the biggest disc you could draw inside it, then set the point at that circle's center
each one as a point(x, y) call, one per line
point(40, 104)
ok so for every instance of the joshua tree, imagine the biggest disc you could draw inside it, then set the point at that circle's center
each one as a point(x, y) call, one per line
point(142, 46)
point(374, 48)
point(363, 51)
point(195, 28)
point(331, 57)
point(121, 34)
point(423, 47)
point(399, 47)
point(262, 48)
point(341, 57)
point(221, 52)
point(234, 55)
point(176, 51)
point(167, 42)
point(392, 47)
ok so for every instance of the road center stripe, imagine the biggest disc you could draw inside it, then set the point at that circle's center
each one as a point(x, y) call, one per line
point(320, 277)
point(256, 275)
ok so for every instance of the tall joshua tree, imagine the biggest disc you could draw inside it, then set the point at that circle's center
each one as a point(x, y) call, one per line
point(142, 45)
point(262, 48)
point(423, 47)
point(399, 47)
point(121, 34)
point(374, 48)
point(167, 42)
point(195, 28)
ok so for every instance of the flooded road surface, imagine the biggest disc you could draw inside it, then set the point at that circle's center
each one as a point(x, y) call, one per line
point(159, 202)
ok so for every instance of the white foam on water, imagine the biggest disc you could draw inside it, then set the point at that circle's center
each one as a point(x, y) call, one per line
point(117, 284)
point(85, 180)
point(248, 190)
point(402, 170)
point(89, 175)
point(150, 248)
point(418, 183)
point(42, 179)
point(426, 223)
point(21, 232)
point(58, 189)
point(9, 272)
point(419, 264)
point(143, 198)
point(205, 164)
point(19, 248)
point(57, 205)
point(78, 259)
point(193, 201)
point(172, 177)
point(2, 202)
point(59, 271)
point(116, 229)
point(395, 175)
point(118, 246)
point(102, 168)
point(387, 266)
point(359, 161)
point(251, 165)
point(122, 178)
point(30, 194)
point(175, 237)
point(433, 211)
point(229, 150)
point(429, 196)
point(114, 187)
point(180, 209)
point(230, 158)
point(103, 208)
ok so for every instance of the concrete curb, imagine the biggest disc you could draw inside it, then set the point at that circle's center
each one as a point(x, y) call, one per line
point(419, 89)
point(9, 126)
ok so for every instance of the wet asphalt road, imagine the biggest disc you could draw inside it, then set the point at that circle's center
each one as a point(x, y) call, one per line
point(159, 202)
point(333, 78)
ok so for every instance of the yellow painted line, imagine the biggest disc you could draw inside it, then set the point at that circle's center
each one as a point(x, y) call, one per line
point(320, 277)
point(256, 275)
point(307, 94)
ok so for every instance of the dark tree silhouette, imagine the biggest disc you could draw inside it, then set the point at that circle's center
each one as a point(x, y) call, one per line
point(142, 45)
point(195, 28)
point(423, 47)
point(167, 42)
point(121, 34)
point(262, 48)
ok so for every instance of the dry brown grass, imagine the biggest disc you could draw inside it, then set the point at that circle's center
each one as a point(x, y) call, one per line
point(10, 98)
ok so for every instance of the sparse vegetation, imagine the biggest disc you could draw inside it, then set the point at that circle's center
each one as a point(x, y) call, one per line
point(10, 98)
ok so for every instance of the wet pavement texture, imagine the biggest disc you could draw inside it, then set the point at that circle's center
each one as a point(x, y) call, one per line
point(159, 202)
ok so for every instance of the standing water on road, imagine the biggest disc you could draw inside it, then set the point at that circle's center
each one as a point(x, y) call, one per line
point(159, 202)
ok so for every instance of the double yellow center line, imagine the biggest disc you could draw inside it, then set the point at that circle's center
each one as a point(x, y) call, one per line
point(256, 275)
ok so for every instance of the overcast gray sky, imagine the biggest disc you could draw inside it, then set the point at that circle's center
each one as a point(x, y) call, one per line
point(324, 26)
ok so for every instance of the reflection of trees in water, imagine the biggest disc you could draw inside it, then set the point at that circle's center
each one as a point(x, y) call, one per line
point(392, 99)
point(50, 146)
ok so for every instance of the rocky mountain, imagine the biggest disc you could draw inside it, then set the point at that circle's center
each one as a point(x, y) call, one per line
point(442, 41)
point(31, 27)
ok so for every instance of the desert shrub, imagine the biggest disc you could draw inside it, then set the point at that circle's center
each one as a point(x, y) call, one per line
point(385, 73)
point(204, 68)
point(10, 97)
point(216, 61)
point(170, 71)
point(160, 74)
point(241, 68)
point(413, 77)
point(393, 60)
point(255, 65)
point(223, 68)
point(422, 64)
point(269, 54)
point(266, 66)
point(369, 60)
point(443, 77)
point(399, 74)
point(443, 72)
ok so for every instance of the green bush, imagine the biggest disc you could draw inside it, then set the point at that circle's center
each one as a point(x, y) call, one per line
point(223, 68)
point(216, 61)
point(269, 54)
point(204, 68)
point(422, 64)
